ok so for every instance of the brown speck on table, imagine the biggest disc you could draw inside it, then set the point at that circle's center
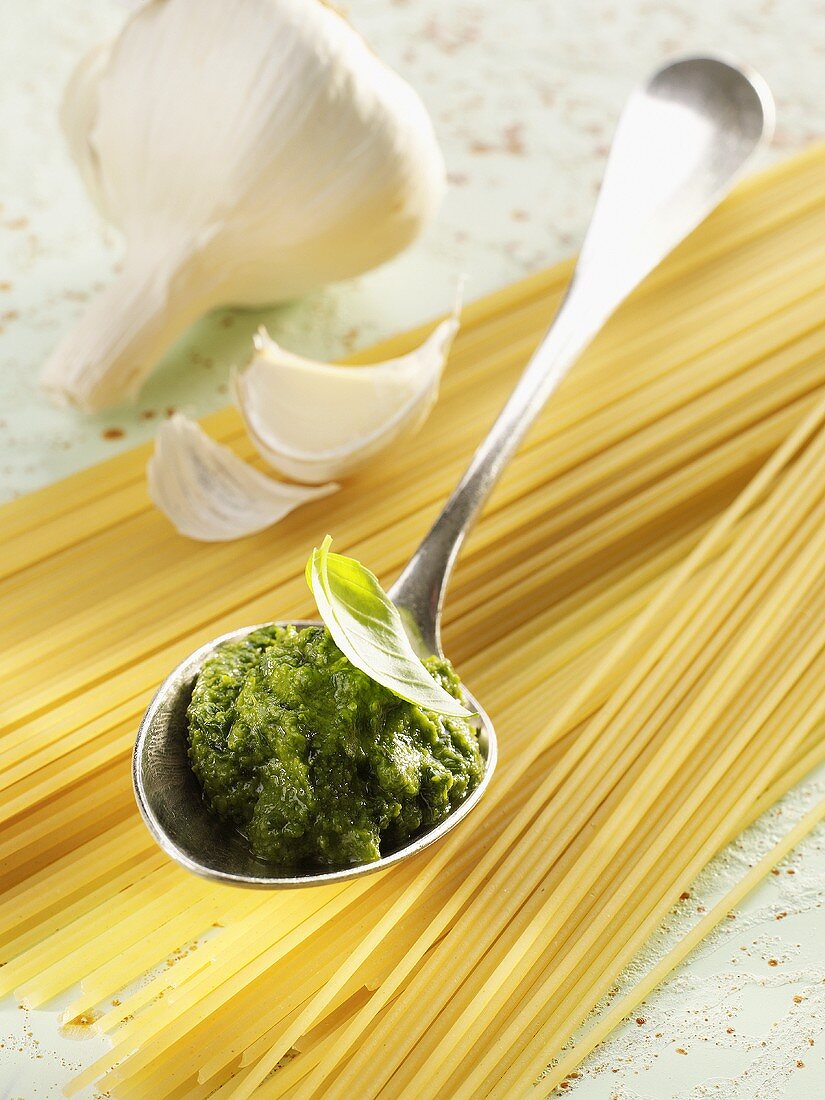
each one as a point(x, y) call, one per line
point(148, 414)
point(800, 1064)
point(112, 433)
point(5, 285)
point(227, 321)
point(640, 1020)
point(514, 139)
point(449, 39)
point(350, 338)
point(797, 1000)
point(681, 1050)
point(171, 410)
point(730, 1030)
point(512, 142)
point(685, 894)
point(773, 962)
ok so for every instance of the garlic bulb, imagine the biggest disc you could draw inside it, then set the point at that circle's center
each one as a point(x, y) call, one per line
point(315, 422)
point(209, 493)
point(249, 150)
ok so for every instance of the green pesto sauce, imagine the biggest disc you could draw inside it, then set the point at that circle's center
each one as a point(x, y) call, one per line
point(312, 760)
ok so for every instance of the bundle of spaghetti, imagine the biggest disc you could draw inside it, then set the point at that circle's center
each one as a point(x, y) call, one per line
point(284, 1081)
point(599, 954)
point(16, 904)
point(693, 384)
point(515, 905)
point(482, 1047)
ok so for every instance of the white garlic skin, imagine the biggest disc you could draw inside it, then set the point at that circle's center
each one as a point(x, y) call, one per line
point(316, 422)
point(211, 495)
point(249, 150)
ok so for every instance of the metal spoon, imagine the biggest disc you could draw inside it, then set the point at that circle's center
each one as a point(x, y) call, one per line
point(682, 139)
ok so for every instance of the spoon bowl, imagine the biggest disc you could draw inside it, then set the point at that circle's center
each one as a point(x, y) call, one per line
point(683, 138)
point(171, 801)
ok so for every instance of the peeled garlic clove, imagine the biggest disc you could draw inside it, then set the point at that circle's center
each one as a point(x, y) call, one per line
point(250, 150)
point(209, 493)
point(316, 421)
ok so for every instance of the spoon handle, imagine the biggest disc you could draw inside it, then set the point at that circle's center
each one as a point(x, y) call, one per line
point(682, 139)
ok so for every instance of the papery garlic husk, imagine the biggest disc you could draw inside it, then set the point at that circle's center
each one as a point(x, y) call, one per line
point(249, 150)
point(210, 494)
point(315, 422)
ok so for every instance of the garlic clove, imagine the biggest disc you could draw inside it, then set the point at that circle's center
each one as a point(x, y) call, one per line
point(315, 422)
point(210, 494)
point(250, 150)
point(77, 115)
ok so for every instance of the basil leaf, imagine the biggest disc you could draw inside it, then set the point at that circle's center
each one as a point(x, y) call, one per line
point(367, 628)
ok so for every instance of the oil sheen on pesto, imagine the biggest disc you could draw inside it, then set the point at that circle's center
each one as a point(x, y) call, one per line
point(312, 760)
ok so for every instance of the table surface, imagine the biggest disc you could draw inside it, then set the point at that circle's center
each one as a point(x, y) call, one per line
point(524, 96)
